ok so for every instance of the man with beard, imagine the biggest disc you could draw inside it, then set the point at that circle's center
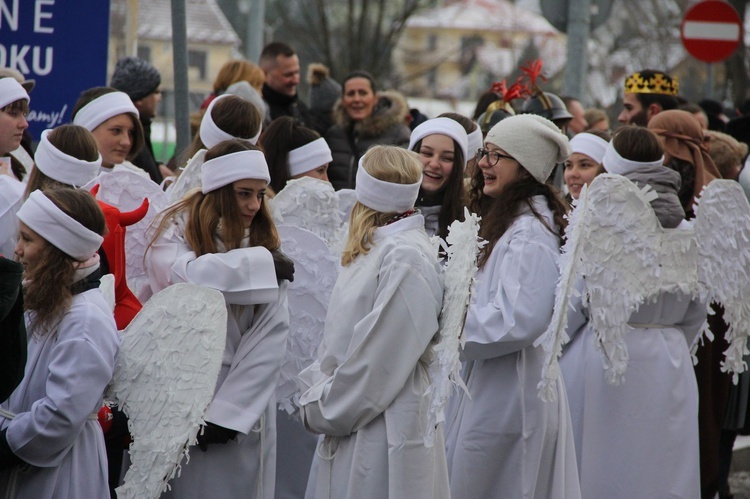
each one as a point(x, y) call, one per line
point(647, 93)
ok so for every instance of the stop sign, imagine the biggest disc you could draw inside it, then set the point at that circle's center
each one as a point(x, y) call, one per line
point(711, 30)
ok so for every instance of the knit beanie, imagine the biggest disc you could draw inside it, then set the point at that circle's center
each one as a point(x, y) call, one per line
point(324, 90)
point(535, 142)
point(135, 77)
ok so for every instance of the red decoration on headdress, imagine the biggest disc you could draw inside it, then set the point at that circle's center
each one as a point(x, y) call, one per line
point(515, 91)
point(533, 70)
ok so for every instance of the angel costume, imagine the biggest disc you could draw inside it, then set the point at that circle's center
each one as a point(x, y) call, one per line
point(244, 401)
point(365, 392)
point(505, 441)
point(55, 429)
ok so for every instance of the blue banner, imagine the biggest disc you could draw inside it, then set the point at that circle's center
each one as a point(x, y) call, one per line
point(62, 45)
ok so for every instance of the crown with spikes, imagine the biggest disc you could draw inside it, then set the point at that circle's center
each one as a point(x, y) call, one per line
point(660, 83)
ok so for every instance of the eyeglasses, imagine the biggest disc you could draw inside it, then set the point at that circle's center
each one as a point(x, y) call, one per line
point(493, 157)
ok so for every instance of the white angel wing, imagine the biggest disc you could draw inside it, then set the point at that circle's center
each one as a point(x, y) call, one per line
point(462, 247)
point(189, 178)
point(347, 198)
point(311, 204)
point(164, 380)
point(722, 231)
point(125, 190)
point(316, 270)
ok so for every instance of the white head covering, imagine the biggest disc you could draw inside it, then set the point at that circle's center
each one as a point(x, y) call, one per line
point(309, 157)
point(614, 163)
point(590, 145)
point(210, 132)
point(11, 91)
point(535, 142)
point(442, 126)
point(42, 216)
point(64, 168)
point(383, 196)
point(103, 108)
point(475, 140)
point(221, 171)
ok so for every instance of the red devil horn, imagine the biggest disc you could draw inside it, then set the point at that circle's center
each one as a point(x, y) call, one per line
point(130, 217)
point(95, 190)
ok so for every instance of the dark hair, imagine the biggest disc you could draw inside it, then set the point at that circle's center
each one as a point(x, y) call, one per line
point(453, 193)
point(274, 49)
point(637, 144)
point(666, 102)
point(360, 74)
point(499, 213)
point(483, 102)
point(687, 185)
point(49, 291)
point(281, 136)
point(87, 96)
point(602, 134)
point(468, 124)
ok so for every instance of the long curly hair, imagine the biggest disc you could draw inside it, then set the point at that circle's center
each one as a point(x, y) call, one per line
point(50, 288)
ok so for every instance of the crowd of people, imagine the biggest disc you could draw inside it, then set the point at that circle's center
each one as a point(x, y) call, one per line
point(387, 183)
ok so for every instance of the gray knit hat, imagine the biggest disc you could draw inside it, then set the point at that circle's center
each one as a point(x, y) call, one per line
point(324, 90)
point(135, 77)
point(535, 142)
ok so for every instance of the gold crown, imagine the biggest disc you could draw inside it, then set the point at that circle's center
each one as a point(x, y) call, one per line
point(657, 84)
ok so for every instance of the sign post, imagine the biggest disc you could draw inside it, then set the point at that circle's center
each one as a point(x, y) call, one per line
point(62, 46)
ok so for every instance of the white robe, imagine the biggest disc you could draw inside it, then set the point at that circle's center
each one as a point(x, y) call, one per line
point(505, 441)
point(66, 374)
point(366, 390)
point(244, 401)
point(640, 438)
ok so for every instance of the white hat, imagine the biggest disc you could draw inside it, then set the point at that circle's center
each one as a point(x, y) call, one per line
point(103, 108)
point(535, 142)
point(382, 196)
point(221, 171)
point(309, 157)
point(62, 167)
point(11, 91)
point(442, 126)
point(589, 144)
point(210, 132)
point(62, 231)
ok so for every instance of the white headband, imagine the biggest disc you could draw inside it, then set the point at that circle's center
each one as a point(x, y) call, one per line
point(476, 141)
point(65, 233)
point(589, 144)
point(11, 91)
point(614, 163)
point(211, 134)
point(309, 157)
point(442, 126)
point(64, 168)
point(103, 108)
point(382, 196)
point(221, 171)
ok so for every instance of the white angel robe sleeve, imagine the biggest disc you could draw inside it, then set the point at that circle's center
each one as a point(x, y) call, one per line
point(78, 372)
point(245, 276)
point(521, 308)
point(253, 375)
point(386, 346)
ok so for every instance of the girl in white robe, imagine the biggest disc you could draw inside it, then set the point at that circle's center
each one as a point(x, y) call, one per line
point(365, 393)
point(638, 438)
point(503, 440)
point(223, 237)
point(51, 444)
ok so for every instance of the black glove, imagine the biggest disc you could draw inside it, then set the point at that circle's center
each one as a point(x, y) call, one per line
point(214, 434)
point(284, 266)
point(7, 458)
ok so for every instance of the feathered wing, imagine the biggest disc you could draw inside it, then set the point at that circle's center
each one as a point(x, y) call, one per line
point(462, 247)
point(316, 270)
point(126, 190)
point(722, 231)
point(164, 380)
point(189, 179)
point(107, 287)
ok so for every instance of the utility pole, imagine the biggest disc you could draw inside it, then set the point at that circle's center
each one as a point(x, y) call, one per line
point(579, 28)
point(180, 64)
point(131, 28)
point(256, 17)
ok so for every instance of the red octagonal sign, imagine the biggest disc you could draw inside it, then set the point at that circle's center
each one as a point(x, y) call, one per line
point(711, 30)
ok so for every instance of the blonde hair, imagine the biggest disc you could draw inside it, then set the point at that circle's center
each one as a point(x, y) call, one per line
point(390, 164)
point(726, 152)
point(236, 70)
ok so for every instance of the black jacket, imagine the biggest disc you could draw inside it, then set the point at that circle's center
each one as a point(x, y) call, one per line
point(12, 328)
point(145, 159)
